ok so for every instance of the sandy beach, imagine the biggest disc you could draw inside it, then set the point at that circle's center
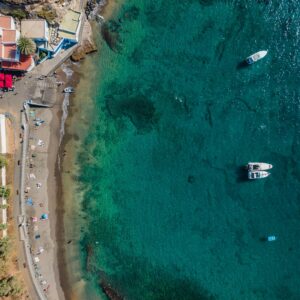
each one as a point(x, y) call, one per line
point(38, 217)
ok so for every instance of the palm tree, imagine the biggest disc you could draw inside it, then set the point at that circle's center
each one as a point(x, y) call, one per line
point(26, 46)
point(3, 161)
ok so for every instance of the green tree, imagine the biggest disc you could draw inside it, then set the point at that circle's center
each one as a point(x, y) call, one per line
point(4, 248)
point(26, 46)
point(48, 13)
point(3, 161)
point(3, 226)
point(4, 192)
point(18, 14)
point(9, 286)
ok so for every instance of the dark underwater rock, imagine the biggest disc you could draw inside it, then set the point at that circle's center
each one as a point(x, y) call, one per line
point(110, 34)
point(89, 254)
point(139, 109)
point(131, 13)
point(191, 179)
point(206, 2)
point(109, 291)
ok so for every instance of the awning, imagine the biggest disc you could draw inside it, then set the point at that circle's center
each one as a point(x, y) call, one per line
point(2, 76)
point(1, 84)
point(8, 81)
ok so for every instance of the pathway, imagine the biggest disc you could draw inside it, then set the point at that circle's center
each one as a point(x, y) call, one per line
point(22, 218)
point(3, 170)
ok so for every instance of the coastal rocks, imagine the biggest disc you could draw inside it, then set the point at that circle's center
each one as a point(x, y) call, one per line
point(111, 30)
point(93, 7)
point(21, 2)
point(87, 47)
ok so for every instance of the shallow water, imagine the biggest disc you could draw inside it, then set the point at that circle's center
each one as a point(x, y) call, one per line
point(168, 212)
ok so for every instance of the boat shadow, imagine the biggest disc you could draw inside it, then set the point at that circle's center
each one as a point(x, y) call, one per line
point(242, 65)
point(242, 174)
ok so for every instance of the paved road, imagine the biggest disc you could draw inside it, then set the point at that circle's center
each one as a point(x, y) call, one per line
point(23, 229)
point(3, 170)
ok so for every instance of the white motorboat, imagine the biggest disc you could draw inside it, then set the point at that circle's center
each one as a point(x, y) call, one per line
point(69, 89)
point(258, 174)
point(256, 57)
point(271, 238)
point(258, 166)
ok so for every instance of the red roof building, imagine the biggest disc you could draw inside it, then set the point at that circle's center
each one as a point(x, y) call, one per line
point(7, 22)
point(10, 57)
point(9, 36)
point(25, 63)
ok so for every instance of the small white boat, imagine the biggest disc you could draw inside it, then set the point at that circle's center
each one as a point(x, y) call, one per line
point(69, 89)
point(256, 57)
point(258, 166)
point(258, 174)
point(271, 238)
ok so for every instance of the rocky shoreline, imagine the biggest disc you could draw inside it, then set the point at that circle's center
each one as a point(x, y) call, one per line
point(94, 7)
point(87, 46)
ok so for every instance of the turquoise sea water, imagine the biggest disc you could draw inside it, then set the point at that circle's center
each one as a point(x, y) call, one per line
point(169, 212)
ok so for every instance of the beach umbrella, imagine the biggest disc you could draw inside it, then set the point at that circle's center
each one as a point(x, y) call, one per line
point(40, 250)
point(44, 217)
point(29, 202)
point(34, 219)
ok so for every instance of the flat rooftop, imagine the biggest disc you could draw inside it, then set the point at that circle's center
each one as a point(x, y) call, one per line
point(34, 29)
point(24, 64)
point(9, 36)
point(70, 21)
point(6, 22)
point(10, 52)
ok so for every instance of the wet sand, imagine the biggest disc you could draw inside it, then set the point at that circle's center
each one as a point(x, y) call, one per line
point(69, 221)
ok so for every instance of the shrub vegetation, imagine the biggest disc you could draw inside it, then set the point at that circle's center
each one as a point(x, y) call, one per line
point(4, 192)
point(3, 161)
